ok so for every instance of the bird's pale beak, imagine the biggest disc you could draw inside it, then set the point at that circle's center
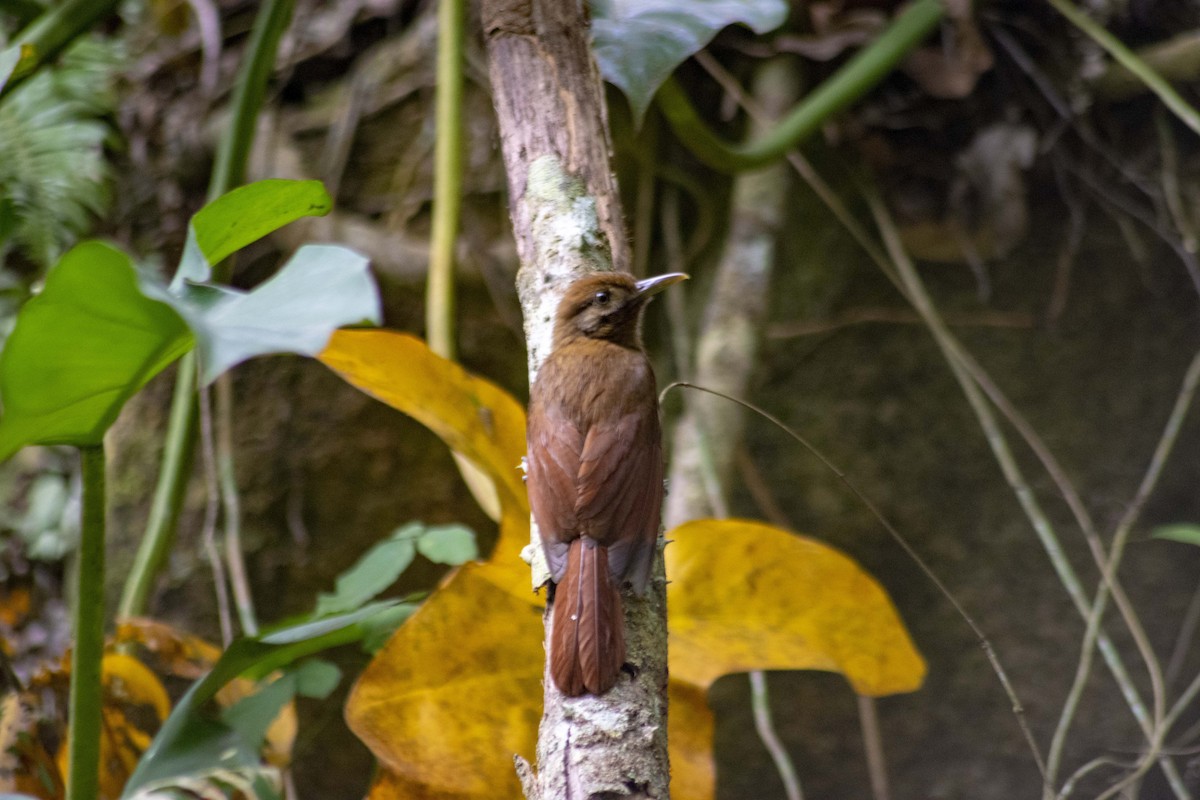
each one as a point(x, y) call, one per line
point(652, 286)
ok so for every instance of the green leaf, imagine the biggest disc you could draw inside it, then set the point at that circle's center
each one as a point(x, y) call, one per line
point(379, 628)
point(448, 544)
point(639, 44)
point(1188, 533)
point(242, 217)
point(193, 743)
point(251, 716)
point(321, 288)
point(386, 561)
point(81, 348)
point(375, 571)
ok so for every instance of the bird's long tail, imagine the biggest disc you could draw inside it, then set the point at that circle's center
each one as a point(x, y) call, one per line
point(587, 647)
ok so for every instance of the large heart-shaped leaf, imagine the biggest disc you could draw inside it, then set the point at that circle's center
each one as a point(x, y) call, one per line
point(81, 348)
point(321, 288)
point(639, 43)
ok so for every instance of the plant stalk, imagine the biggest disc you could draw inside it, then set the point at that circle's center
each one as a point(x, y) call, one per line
point(447, 179)
point(86, 695)
point(861, 74)
point(168, 493)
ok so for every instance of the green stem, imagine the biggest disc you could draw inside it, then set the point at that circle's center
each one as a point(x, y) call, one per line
point(50, 34)
point(86, 701)
point(1132, 62)
point(861, 74)
point(447, 177)
point(168, 493)
point(228, 171)
point(233, 150)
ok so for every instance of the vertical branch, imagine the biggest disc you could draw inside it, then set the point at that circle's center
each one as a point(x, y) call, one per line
point(83, 779)
point(567, 221)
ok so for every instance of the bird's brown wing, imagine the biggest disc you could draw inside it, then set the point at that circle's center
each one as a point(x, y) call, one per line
point(620, 490)
point(554, 445)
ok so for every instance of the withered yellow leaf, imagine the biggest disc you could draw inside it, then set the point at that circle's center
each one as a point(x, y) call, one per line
point(690, 742)
point(455, 692)
point(747, 596)
point(130, 688)
point(25, 765)
point(180, 654)
point(473, 416)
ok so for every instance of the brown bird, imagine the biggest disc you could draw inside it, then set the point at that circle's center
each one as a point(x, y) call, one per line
point(595, 471)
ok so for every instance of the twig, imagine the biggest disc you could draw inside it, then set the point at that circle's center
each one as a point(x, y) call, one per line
point(212, 505)
point(208, 21)
point(1086, 769)
point(1170, 183)
point(232, 507)
point(1128, 59)
point(867, 714)
point(873, 745)
point(1183, 640)
point(970, 382)
point(761, 705)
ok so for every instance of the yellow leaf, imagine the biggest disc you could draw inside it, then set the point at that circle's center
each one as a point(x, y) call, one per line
point(690, 742)
point(184, 655)
point(129, 689)
point(455, 692)
point(129, 682)
point(180, 654)
point(473, 416)
point(25, 766)
point(746, 596)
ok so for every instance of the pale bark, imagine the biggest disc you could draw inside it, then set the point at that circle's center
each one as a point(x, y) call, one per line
point(567, 221)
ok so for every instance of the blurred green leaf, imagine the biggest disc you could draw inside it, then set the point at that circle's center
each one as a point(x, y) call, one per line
point(386, 561)
point(378, 569)
point(1188, 533)
point(379, 628)
point(448, 544)
point(242, 217)
point(193, 743)
point(81, 348)
point(53, 174)
point(639, 44)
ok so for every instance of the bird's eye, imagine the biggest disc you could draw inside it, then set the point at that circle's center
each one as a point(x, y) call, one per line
point(602, 298)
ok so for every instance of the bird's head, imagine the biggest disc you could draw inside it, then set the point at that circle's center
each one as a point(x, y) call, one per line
point(608, 305)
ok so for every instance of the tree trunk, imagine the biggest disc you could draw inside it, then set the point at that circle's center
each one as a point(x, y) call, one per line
point(567, 221)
